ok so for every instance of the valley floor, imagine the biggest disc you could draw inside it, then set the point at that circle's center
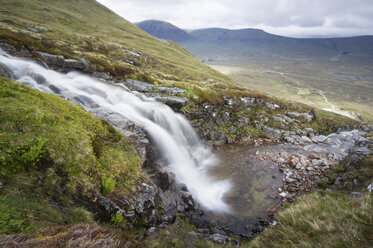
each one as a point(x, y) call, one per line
point(344, 88)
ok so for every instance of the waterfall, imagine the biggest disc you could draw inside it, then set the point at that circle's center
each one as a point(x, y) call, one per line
point(185, 155)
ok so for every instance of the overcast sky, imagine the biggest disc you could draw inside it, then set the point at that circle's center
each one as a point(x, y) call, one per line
point(295, 18)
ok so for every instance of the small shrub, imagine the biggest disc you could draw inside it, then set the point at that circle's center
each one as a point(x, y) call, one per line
point(108, 185)
point(117, 218)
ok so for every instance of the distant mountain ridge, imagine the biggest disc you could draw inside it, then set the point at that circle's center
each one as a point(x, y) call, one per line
point(164, 30)
point(256, 43)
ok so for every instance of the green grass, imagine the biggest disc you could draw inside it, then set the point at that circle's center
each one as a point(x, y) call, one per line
point(54, 156)
point(351, 94)
point(322, 220)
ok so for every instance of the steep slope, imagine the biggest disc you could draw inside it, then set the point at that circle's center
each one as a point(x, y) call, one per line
point(55, 159)
point(108, 42)
point(164, 30)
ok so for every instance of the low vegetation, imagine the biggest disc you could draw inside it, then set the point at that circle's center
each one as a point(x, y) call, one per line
point(108, 42)
point(54, 158)
point(322, 220)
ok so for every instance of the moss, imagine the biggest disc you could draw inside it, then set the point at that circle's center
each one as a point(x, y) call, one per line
point(54, 156)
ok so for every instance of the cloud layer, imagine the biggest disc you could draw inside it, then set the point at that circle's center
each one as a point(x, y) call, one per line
point(297, 18)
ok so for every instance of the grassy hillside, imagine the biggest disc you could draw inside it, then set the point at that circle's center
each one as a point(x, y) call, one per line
point(87, 29)
point(54, 158)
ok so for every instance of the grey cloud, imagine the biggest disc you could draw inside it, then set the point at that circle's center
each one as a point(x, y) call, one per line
point(285, 17)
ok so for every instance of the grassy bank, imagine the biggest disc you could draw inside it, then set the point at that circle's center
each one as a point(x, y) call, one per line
point(54, 158)
point(322, 220)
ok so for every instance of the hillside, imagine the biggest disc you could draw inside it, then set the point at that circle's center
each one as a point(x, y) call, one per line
point(108, 42)
point(330, 73)
point(110, 137)
point(225, 44)
point(164, 30)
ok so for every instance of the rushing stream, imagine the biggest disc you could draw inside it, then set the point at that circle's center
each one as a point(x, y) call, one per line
point(186, 157)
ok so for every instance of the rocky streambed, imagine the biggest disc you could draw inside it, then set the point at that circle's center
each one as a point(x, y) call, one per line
point(266, 175)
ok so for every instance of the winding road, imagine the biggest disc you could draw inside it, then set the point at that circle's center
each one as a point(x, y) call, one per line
point(322, 93)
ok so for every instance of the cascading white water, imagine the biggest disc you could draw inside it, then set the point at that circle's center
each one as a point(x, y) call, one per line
point(186, 157)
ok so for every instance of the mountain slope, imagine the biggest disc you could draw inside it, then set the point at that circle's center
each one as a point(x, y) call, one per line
point(218, 42)
point(164, 30)
point(108, 42)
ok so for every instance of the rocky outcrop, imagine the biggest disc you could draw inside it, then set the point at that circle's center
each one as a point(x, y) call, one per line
point(60, 63)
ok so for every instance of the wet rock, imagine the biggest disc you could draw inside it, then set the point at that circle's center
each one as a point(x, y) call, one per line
point(305, 139)
point(50, 59)
point(260, 188)
point(146, 202)
point(316, 162)
point(135, 85)
point(85, 64)
point(5, 72)
point(314, 156)
point(319, 139)
point(73, 64)
point(111, 208)
point(173, 102)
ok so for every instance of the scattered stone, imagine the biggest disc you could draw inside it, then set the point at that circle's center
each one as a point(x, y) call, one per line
point(283, 194)
point(316, 162)
point(34, 30)
point(150, 231)
point(277, 119)
point(313, 156)
point(133, 53)
point(260, 188)
point(309, 117)
point(370, 188)
point(42, 28)
point(219, 238)
point(356, 194)
point(272, 106)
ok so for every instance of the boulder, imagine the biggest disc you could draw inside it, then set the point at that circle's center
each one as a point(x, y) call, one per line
point(73, 64)
point(50, 59)
point(173, 102)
